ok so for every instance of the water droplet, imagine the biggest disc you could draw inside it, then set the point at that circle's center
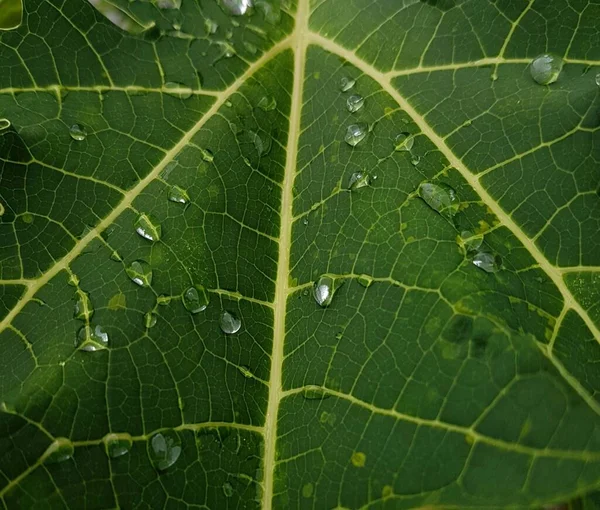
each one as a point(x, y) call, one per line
point(164, 449)
point(235, 7)
point(354, 103)
point(163, 300)
point(359, 180)
point(83, 306)
point(116, 257)
point(325, 288)
point(211, 26)
point(229, 323)
point(227, 489)
point(207, 155)
point(305, 221)
point(267, 103)
point(365, 280)
point(60, 450)
point(598, 79)
point(251, 48)
point(148, 227)
point(178, 90)
point(415, 160)
point(346, 83)
point(471, 241)
point(356, 133)
point(404, 142)
point(313, 392)
point(150, 320)
point(195, 299)
point(440, 197)
point(91, 339)
point(78, 132)
point(178, 195)
point(546, 68)
point(168, 4)
point(261, 144)
point(489, 262)
point(117, 445)
point(270, 9)
point(140, 273)
point(246, 372)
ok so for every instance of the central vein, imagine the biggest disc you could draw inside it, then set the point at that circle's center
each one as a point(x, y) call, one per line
point(299, 43)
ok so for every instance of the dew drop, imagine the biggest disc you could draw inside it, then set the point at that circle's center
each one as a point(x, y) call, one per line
point(115, 256)
point(178, 195)
point(227, 489)
point(150, 320)
point(195, 299)
point(545, 69)
point(313, 392)
point(78, 132)
point(598, 79)
point(207, 155)
point(178, 90)
point(365, 280)
point(267, 103)
point(251, 48)
point(246, 372)
point(60, 450)
point(168, 4)
point(270, 9)
point(236, 7)
point(347, 83)
point(440, 197)
point(261, 144)
point(148, 227)
point(404, 142)
point(163, 300)
point(140, 273)
point(489, 262)
point(117, 445)
point(356, 133)
point(83, 309)
point(211, 26)
point(164, 449)
point(305, 221)
point(229, 323)
point(359, 180)
point(91, 338)
point(471, 241)
point(324, 290)
point(415, 160)
point(354, 103)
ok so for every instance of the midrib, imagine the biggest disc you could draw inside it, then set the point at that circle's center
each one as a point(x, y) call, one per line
point(298, 44)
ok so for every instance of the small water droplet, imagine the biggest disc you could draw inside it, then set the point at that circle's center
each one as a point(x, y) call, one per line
point(251, 48)
point(91, 339)
point(195, 299)
point(365, 280)
point(148, 227)
point(325, 288)
point(117, 445)
point(227, 489)
point(267, 103)
point(404, 142)
point(471, 241)
point(211, 26)
point(140, 272)
point(207, 155)
point(356, 133)
point(235, 7)
point(178, 195)
point(164, 449)
point(440, 197)
point(545, 69)
point(347, 83)
point(262, 144)
point(270, 9)
point(116, 257)
point(150, 320)
point(60, 450)
point(354, 103)
point(305, 221)
point(339, 336)
point(246, 372)
point(598, 79)
point(168, 4)
point(489, 262)
point(313, 392)
point(83, 309)
point(359, 180)
point(178, 90)
point(78, 132)
point(415, 160)
point(163, 300)
point(229, 323)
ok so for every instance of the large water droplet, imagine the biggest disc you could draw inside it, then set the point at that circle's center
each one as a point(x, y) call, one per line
point(60, 450)
point(140, 273)
point(356, 133)
point(267, 103)
point(150, 320)
point(404, 142)
point(178, 195)
point(489, 262)
point(83, 309)
point(91, 338)
point(117, 445)
point(312, 392)
point(325, 288)
point(347, 83)
point(229, 323)
point(148, 227)
point(236, 7)
point(164, 449)
point(195, 299)
point(471, 241)
point(359, 180)
point(354, 103)
point(227, 489)
point(178, 90)
point(78, 132)
point(545, 69)
point(440, 197)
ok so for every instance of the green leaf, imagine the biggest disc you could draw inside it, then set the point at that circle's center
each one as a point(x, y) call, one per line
point(174, 179)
